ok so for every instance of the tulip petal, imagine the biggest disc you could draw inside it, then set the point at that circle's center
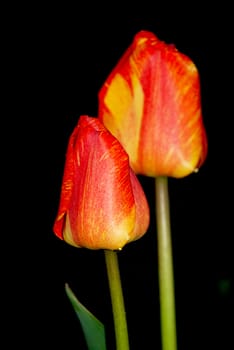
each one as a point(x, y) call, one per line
point(66, 190)
point(151, 103)
point(142, 207)
point(99, 210)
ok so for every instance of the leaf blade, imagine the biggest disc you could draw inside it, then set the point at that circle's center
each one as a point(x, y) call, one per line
point(93, 329)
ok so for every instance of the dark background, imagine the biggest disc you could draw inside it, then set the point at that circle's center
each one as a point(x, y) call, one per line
point(58, 58)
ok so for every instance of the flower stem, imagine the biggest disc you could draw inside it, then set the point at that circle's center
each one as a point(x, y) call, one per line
point(165, 266)
point(117, 300)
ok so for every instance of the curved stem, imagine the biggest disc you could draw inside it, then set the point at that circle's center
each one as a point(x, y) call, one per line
point(117, 300)
point(165, 266)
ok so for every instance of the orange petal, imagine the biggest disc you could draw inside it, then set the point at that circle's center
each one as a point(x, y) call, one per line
point(100, 211)
point(151, 103)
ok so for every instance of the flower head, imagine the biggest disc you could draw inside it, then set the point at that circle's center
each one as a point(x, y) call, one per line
point(102, 204)
point(151, 103)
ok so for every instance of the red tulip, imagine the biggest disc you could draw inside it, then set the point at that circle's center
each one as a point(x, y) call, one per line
point(102, 204)
point(151, 103)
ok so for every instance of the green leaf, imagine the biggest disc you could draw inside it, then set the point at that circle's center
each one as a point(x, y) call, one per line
point(93, 329)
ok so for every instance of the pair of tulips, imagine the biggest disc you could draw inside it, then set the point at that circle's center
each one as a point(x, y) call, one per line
point(150, 123)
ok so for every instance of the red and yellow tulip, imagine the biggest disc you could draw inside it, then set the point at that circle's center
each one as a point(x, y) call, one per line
point(151, 103)
point(102, 204)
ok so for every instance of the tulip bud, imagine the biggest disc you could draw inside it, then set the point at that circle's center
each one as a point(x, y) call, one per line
point(151, 103)
point(102, 204)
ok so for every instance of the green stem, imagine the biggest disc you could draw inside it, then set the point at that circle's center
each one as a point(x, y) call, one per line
point(117, 300)
point(165, 266)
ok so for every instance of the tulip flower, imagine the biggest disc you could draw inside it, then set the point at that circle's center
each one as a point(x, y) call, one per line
point(151, 103)
point(102, 204)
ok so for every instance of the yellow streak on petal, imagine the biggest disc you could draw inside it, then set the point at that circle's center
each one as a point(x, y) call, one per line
point(138, 106)
point(141, 41)
point(67, 233)
point(120, 105)
point(126, 112)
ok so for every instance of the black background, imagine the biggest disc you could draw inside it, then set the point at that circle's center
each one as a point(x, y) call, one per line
point(57, 59)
